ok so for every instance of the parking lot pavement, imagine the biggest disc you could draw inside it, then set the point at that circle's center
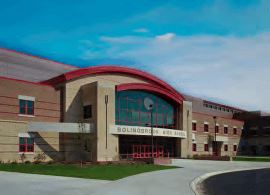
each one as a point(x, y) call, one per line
point(255, 182)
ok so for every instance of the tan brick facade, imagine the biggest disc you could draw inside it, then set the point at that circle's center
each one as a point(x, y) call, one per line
point(64, 103)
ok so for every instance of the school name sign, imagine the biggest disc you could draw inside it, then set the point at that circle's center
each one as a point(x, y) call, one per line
point(135, 130)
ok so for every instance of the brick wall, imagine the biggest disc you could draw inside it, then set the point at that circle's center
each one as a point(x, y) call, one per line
point(46, 105)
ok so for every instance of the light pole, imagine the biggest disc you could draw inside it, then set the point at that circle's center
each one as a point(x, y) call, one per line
point(149, 105)
point(215, 145)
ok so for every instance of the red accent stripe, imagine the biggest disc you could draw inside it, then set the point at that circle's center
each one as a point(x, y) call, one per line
point(196, 112)
point(36, 108)
point(35, 101)
point(29, 115)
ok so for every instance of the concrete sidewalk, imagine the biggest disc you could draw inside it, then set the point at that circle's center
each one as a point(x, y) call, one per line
point(12, 183)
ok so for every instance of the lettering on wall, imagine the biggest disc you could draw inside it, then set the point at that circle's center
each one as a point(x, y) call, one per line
point(136, 130)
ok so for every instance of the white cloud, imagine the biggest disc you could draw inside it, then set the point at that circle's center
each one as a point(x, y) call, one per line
point(142, 30)
point(228, 69)
point(166, 37)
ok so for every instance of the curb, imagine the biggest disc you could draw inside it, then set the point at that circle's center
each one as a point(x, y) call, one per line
point(194, 184)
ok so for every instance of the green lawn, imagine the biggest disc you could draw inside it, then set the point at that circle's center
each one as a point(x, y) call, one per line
point(105, 172)
point(257, 159)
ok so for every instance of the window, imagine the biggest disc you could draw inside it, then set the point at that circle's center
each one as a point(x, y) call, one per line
point(216, 129)
point(214, 107)
point(219, 108)
point(194, 145)
point(234, 131)
point(223, 109)
point(234, 148)
point(226, 147)
point(130, 110)
point(210, 106)
point(193, 126)
point(206, 147)
point(225, 130)
point(232, 111)
point(26, 107)
point(87, 111)
point(206, 129)
point(26, 144)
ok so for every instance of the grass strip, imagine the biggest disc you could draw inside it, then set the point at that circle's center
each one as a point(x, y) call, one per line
point(103, 172)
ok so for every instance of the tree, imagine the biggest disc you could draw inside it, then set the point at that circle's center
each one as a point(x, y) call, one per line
point(85, 143)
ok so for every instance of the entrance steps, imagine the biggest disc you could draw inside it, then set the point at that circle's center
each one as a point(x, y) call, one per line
point(162, 161)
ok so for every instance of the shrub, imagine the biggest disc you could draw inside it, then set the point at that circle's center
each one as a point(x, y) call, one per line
point(23, 157)
point(51, 162)
point(14, 163)
point(27, 162)
point(37, 162)
point(40, 157)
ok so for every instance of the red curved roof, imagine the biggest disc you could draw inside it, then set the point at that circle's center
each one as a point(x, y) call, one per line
point(158, 85)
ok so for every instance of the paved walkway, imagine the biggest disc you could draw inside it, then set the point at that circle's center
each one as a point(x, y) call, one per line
point(169, 182)
point(12, 183)
point(174, 181)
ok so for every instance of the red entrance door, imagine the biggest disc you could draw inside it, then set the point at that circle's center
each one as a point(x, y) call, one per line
point(145, 151)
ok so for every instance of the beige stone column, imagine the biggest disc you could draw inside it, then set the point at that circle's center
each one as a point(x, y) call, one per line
point(184, 145)
point(107, 146)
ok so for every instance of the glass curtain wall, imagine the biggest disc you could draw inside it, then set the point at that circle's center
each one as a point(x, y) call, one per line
point(130, 110)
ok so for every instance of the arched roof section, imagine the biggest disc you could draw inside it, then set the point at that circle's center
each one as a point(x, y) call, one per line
point(158, 84)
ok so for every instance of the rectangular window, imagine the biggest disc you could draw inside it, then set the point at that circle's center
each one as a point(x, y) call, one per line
point(206, 147)
point(234, 148)
point(225, 147)
point(87, 111)
point(225, 130)
point(234, 131)
point(26, 107)
point(216, 129)
point(26, 144)
point(194, 126)
point(194, 146)
point(206, 129)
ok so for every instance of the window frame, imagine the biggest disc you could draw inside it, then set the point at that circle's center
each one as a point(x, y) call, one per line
point(194, 126)
point(217, 129)
point(87, 115)
point(27, 107)
point(26, 145)
point(234, 147)
point(234, 131)
point(226, 147)
point(225, 128)
point(204, 127)
point(206, 147)
point(194, 147)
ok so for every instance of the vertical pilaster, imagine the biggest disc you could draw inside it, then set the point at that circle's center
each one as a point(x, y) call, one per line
point(184, 146)
point(107, 144)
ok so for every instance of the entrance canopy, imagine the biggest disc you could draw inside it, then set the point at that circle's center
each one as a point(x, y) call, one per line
point(60, 127)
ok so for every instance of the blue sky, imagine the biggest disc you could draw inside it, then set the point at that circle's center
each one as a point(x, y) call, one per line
point(217, 50)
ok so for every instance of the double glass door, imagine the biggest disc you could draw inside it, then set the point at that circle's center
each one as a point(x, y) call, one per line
point(145, 151)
